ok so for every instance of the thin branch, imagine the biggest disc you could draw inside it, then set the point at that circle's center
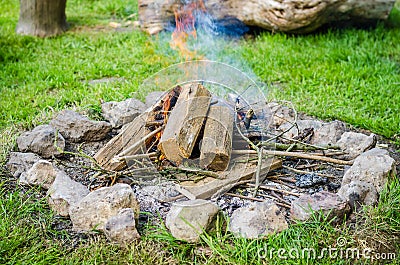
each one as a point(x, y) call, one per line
point(132, 157)
point(303, 143)
point(257, 150)
point(296, 155)
point(297, 146)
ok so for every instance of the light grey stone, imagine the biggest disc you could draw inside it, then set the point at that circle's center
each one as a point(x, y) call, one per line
point(358, 192)
point(329, 133)
point(301, 126)
point(374, 167)
point(331, 205)
point(65, 192)
point(280, 114)
point(21, 162)
point(41, 140)
point(153, 97)
point(120, 113)
point(121, 228)
point(354, 144)
point(162, 191)
point(42, 173)
point(78, 128)
point(93, 211)
point(188, 219)
point(257, 220)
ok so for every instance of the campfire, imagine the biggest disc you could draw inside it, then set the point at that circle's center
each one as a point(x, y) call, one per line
point(200, 148)
point(195, 137)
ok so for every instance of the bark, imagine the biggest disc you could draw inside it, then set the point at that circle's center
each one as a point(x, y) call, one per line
point(276, 15)
point(42, 18)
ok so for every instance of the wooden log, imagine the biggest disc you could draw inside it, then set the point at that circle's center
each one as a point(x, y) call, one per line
point(131, 134)
point(185, 122)
point(294, 16)
point(237, 172)
point(216, 145)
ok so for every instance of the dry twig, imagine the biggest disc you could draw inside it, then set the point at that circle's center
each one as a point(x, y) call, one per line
point(295, 154)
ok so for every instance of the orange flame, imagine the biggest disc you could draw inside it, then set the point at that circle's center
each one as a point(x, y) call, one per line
point(185, 27)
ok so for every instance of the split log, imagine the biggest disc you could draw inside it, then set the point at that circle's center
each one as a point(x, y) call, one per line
point(238, 172)
point(216, 145)
point(185, 122)
point(276, 15)
point(132, 133)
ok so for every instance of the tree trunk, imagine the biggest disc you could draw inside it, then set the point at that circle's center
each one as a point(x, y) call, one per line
point(42, 18)
point(276, 15)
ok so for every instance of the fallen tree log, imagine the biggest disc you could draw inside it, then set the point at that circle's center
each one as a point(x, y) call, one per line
point(276, 15)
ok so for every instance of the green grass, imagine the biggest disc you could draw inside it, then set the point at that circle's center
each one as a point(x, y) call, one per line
point(27, 236)
point(352, 75)
point(348, 74)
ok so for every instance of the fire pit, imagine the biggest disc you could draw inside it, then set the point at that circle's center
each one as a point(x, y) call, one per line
point(211, 142)
point(198, 137)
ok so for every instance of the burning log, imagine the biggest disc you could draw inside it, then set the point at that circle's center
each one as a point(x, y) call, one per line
point(276, 15)
point(185, 122)
point(216, 145)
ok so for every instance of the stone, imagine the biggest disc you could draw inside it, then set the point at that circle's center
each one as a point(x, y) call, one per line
point(21, 162)
point(121, 228)
point(65, 192)
point(41, 140)
point(359, 193)
point(309, 180)
point(78, 128)
point(330, 204)
point(258, 220)
point(162, 191)
point(42, 173)
point(301, 126)
point(188, 219)
point(328, 133)
point(153, 97)
point(374, 167)
point(93, 211)
point(354, 144)
point(120, 113)
point(281, 114)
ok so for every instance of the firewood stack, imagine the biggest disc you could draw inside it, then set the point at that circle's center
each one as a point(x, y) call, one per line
point(188, 130)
